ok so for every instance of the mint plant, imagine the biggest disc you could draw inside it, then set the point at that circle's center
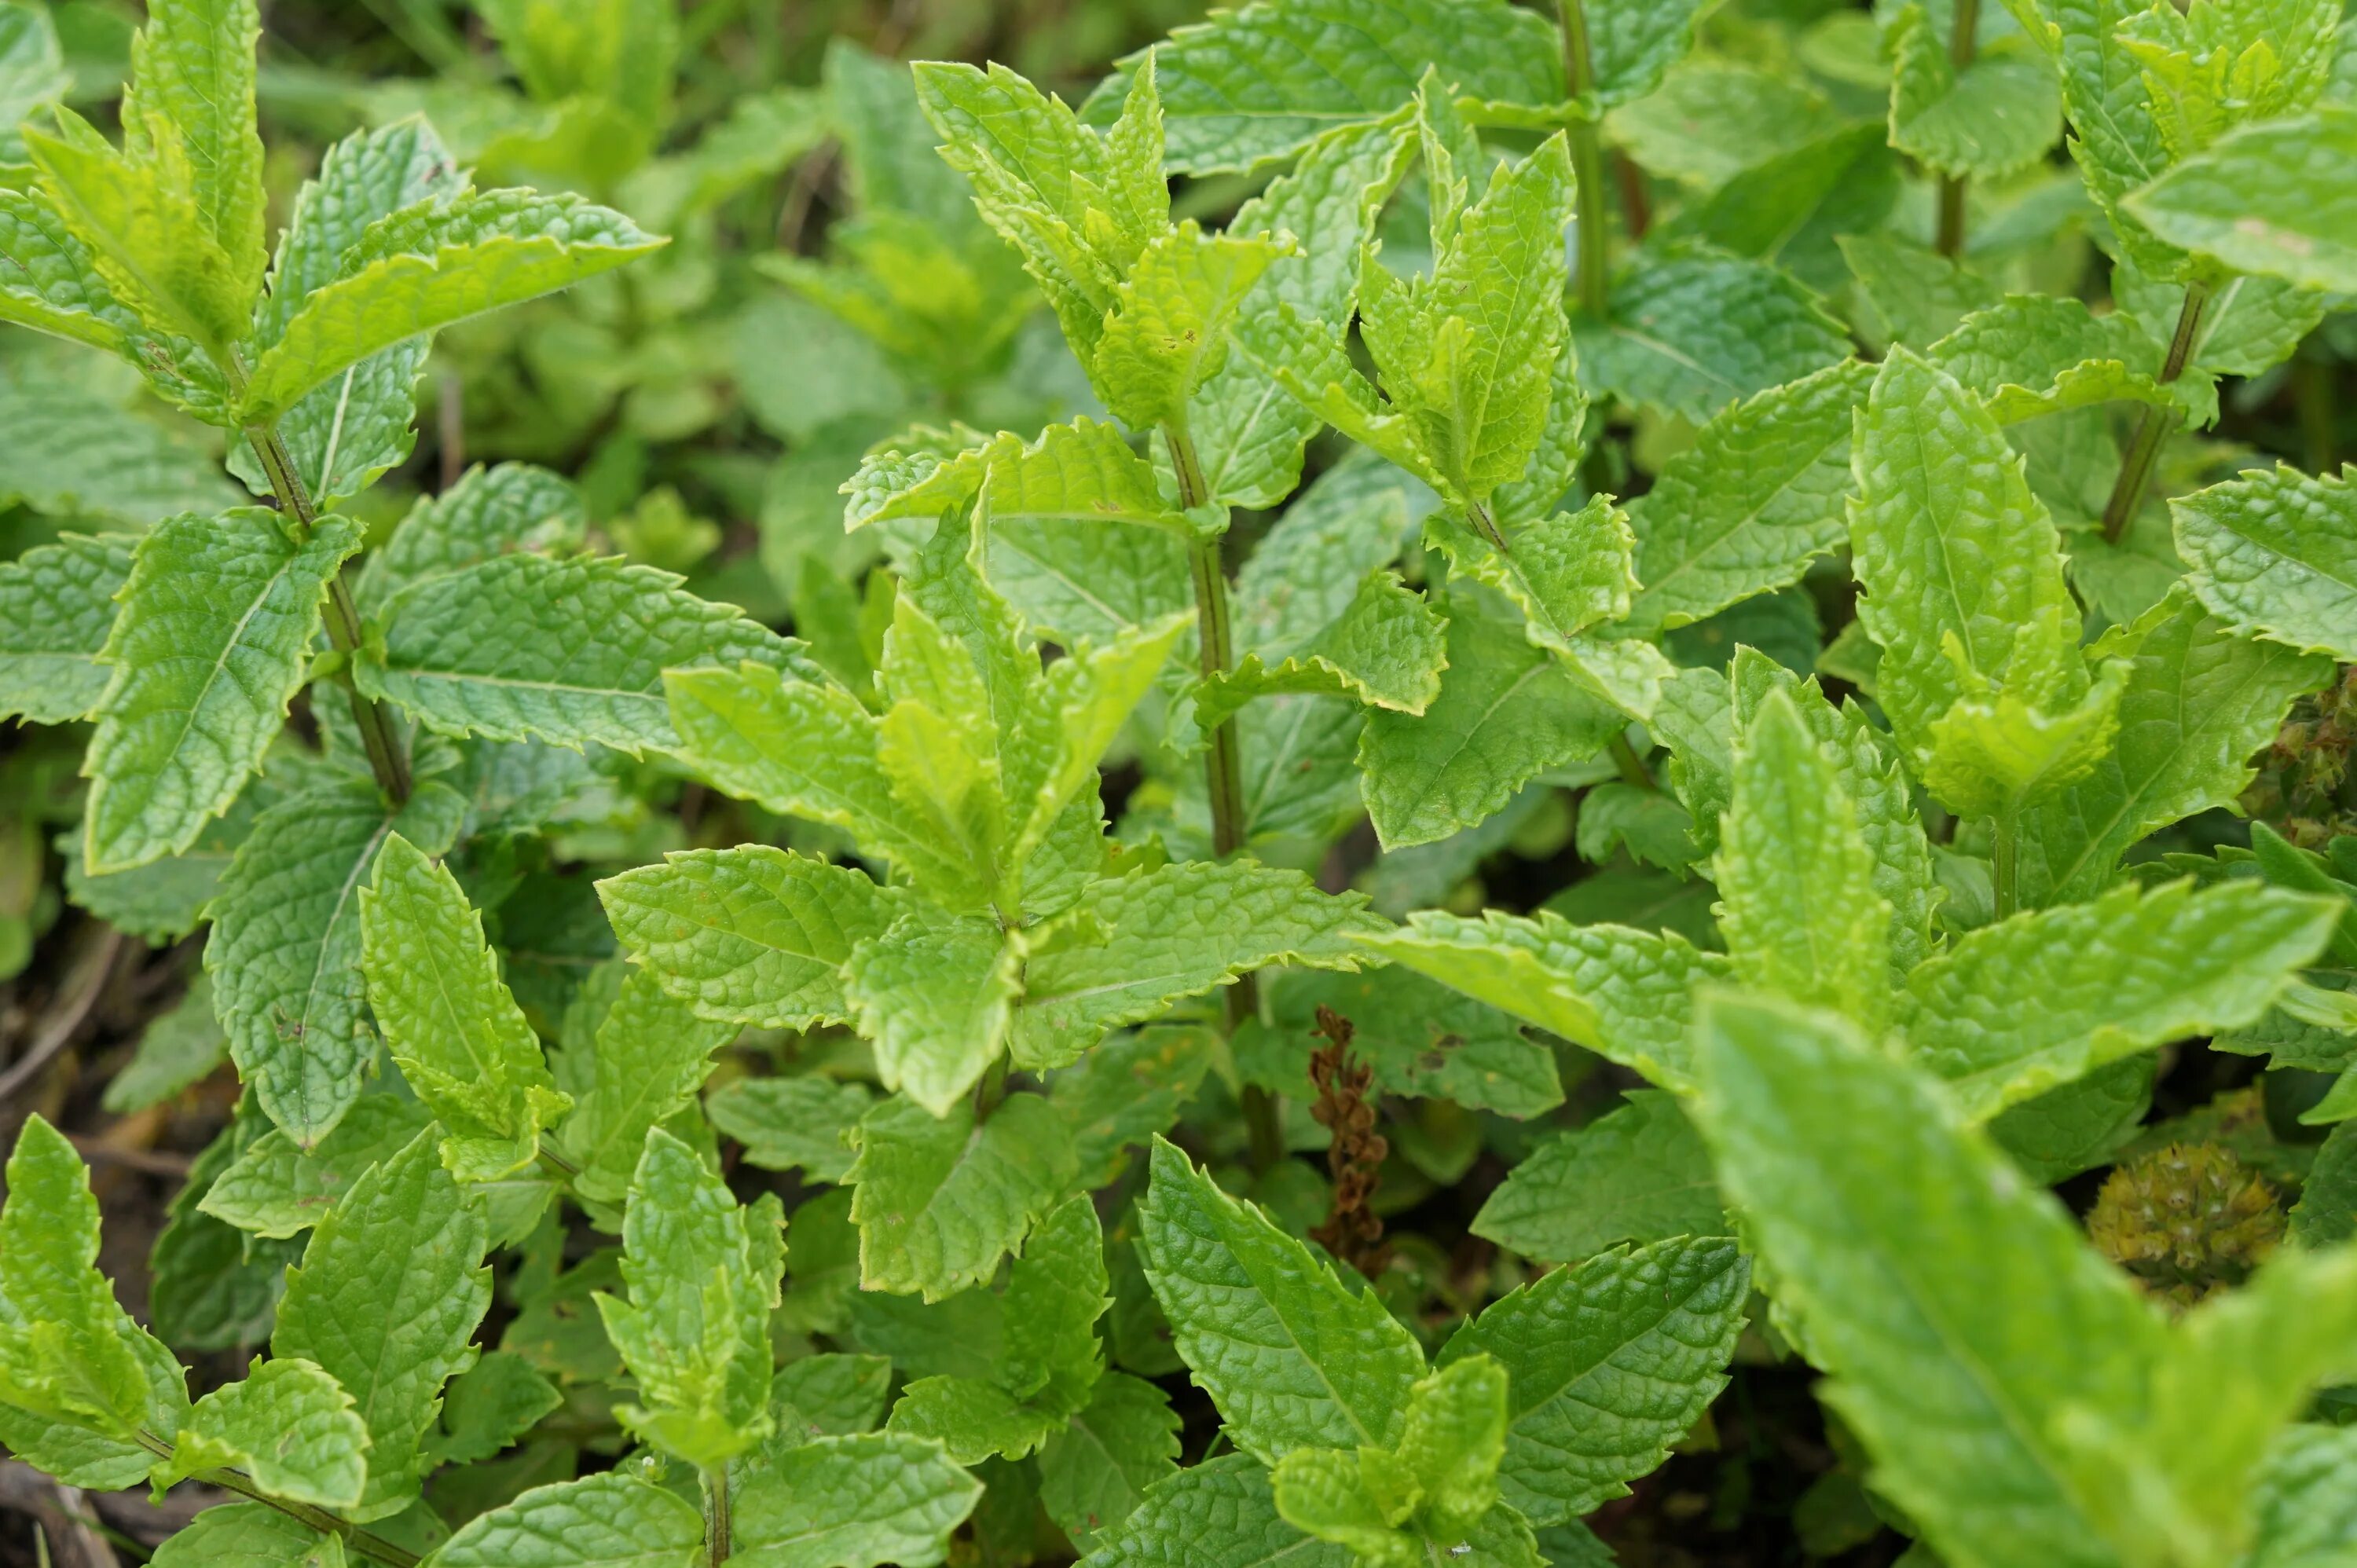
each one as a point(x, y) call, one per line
point(1502, 726)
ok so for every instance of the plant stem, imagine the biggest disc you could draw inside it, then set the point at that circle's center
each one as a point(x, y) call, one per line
point(2003, 854)
point(318, 1519)
point(1223, 775)
point(2320, 416)
point(1631, 765)
point(1961, 31)
point(989, 1089)
point(1587, 163)
point(386, 759)
point(2136, 468)
point(717, 1545)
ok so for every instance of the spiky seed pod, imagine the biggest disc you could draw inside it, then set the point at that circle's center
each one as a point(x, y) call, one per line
point(2186, 1220)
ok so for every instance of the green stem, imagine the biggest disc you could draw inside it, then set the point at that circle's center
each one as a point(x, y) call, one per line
point(1223, 774)
point(2155, 427)
point(989, 1089)
point(1631, 765)
point(1962, 30)
point(1587, 163)
point(318, 1519)
point(2319, 417)
point(2003, 854)
point(716, 1544)
point(565, 1168)
point(386, 759)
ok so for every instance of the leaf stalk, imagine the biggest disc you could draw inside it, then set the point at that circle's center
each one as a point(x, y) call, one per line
point(717, 1547)
point(318, 1519)
point(2158, 423)
point(1963, 40)
point(1587, 163)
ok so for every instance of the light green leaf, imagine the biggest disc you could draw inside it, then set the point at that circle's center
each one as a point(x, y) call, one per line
point(609, 1521)
point(2302, 1500)
point(217, 616)
point(1638, 1174)
point(650, 1057)
point(192, 83)
point(431, 265)
point(972, 1419)
point(749, 935)
point(1506, 712)
point(1169, 332)
point(1960, 1312)
point(1080, 472)
point(1800, 914)
point(940, 1200)
point(1219, 1514)
point(1624, 994)
point(1251, 85)
point(1918, 294)
point(1566, 573)
point(52, 284)
point(1420, 1040)
point(386, 1302)
point(57, 606)
point(1385, 649)
point(276, 1187)
point(249, 1535)
point(2019, 1007)
point(1292, 1356)
point(1694, 330)
point(1126, 1089)
point(2198, 702)
point(1747, 505)
point(789, 1123)
point(703, 1274)
point(76, 451)
point(178, 1049)
point(1428, 1496)
point(935, 993)
point(1993, 117)
point(288, 1425)
point(514, 507)
point(285, 953)
point(2035, 354)
point(460, 1038)
point(2116, 141)
point(1631, 44)
point(2270, 198)
point(2273, 553)
point(1608, 1363)
point(1133, 945)
point(1094, 1472)
point(523, 647)
point(853, 1502)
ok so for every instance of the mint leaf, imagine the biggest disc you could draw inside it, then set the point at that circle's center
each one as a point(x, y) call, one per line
point(523, 647)
point(178, 1049)
point(1988, 119)
point(789, 1123)
point(940, 1200)
point(1094, 1473)
point(1638, 1174)
point(703, 1274)
point(1169, 330)
point(514, 507)
point(56, 607)
point(387, 1302)
point(609, 1521)
point(1383, 650)
point(217, 616)
point(2267, 199)
point(1692, 330)
point(1607, 1363)
point(2270, 555)
point(288, 1425)
point(1623, 994)
point(276, 1187)
point(650, 1057)
point(749, 935)
point(936, 994)
point(853, 1502)
point(1292, 1357)
point(1221, 1513)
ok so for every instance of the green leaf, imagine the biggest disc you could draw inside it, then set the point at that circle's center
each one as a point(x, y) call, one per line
point(431, 265)
point(789, 1123)
point(1694, 330)
point(1169, 330)
point(1427, 1497)
point(749, 935)
point(448, 1021)
point(609, 1521)
point(1219, 1514)
point(853, 1502)
point(2116, 141)
point(523, 647)
point(936, 994)
point(1608, 1363)
point(1960, 1313)
point(217, 616)
point(1080, 472)
point(940, 1200)
point(1094, 1473)
point(1133, 945)
point(1126, 1089)
point(57, 606)
point(2198, 702)
point(2302, 1500)
point(1419, 1038)
point(1919, 295)
point(514, 507)
point(2019, 1007)
point(386, 1302)
point(177, 1050)
point(1251, 85)
point(1989, 119)
point(1800, 914)
point(353, 427)
point(276, 1187)
point(1624, 994)
point(2033, 355)
point(52, 284)
point(77, 452)
point(288, 1425)
point(650, 1057)
point(1385, 649)
point(830, 1395)
point(703, 1274)
point(2274, 555)
point(1631, 44)
point(1290, 1355)
point(1506, 712)
point(285, 953)
point(1747, 505)
point(192, 83)
point(1566, 573)
point(1638, 1174)
point(2269, 199)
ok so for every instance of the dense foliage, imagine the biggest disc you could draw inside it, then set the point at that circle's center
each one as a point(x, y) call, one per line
point(1495, 721)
